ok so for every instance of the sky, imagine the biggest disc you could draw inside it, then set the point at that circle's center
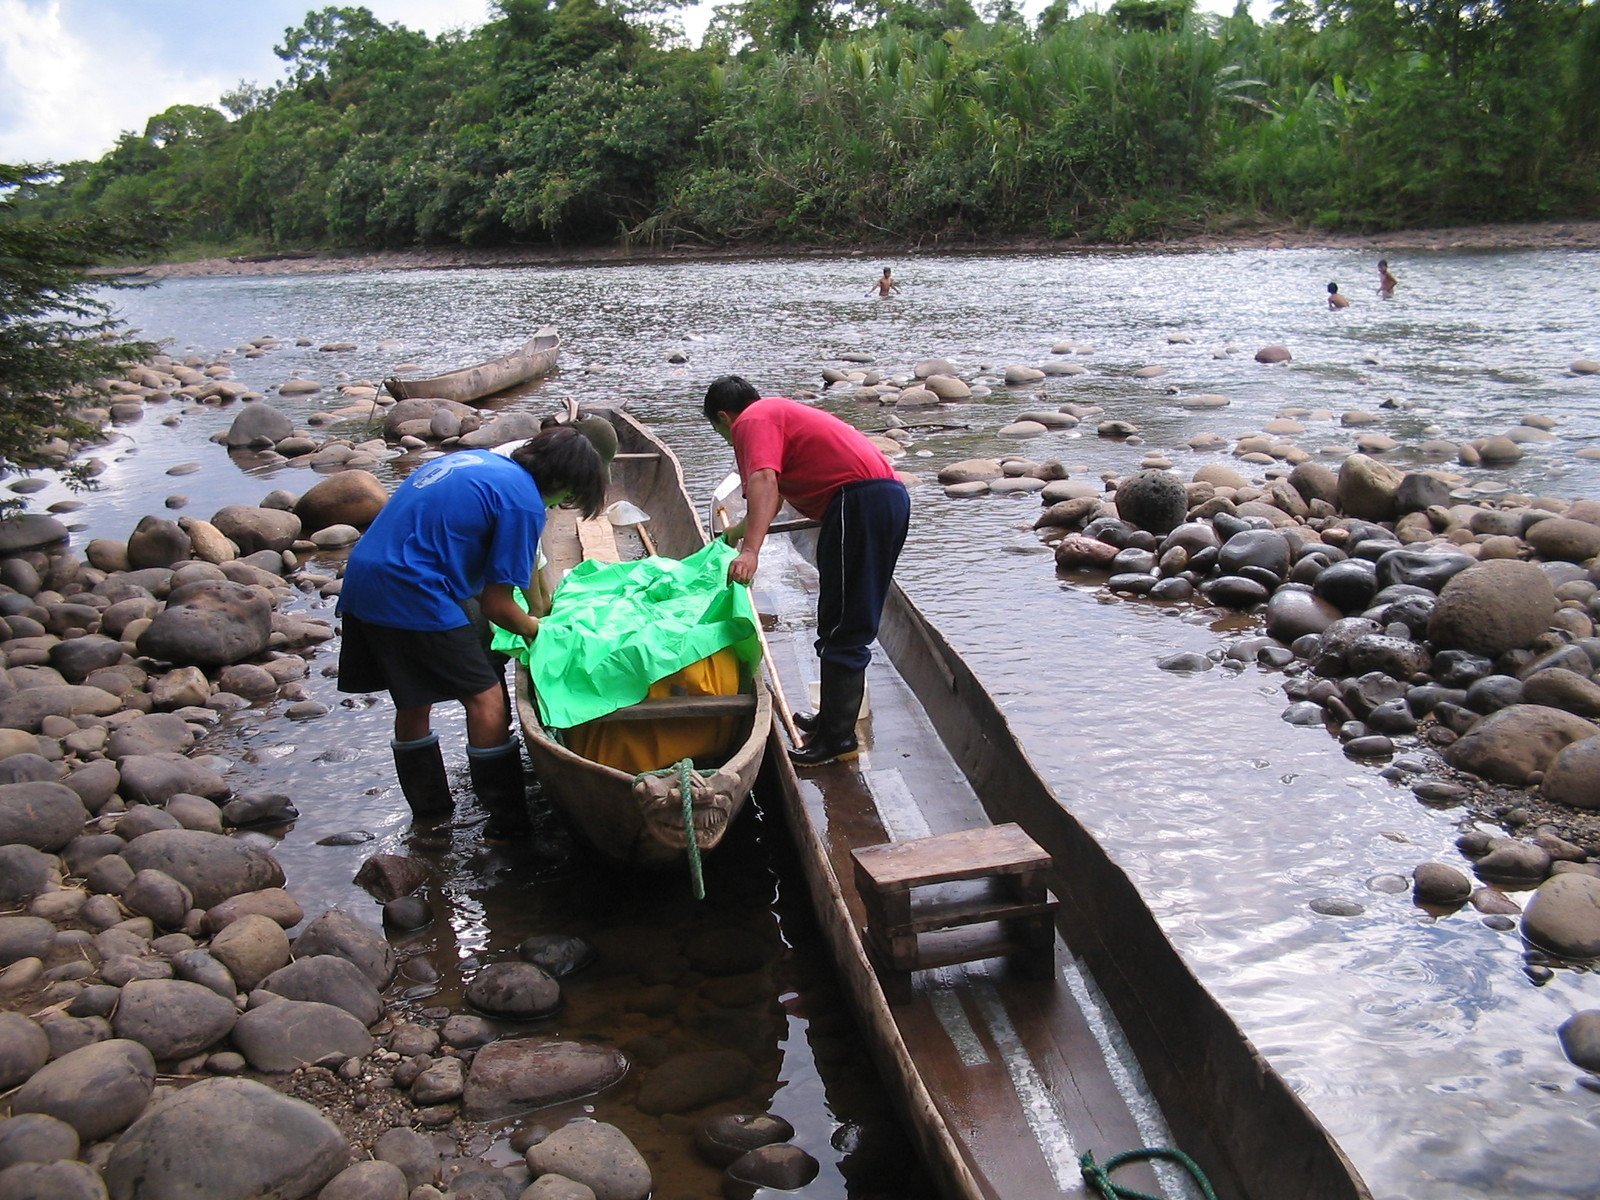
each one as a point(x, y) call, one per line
point(76, 74)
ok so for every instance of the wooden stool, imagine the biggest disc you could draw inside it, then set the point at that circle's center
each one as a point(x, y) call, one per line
point(1002, 873)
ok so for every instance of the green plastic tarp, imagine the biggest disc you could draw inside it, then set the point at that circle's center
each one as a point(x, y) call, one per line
point(616, 628)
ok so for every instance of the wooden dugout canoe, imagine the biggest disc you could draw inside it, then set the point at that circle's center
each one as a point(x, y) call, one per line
point(536, 358)
point(1004, 1079)
point(638, 821)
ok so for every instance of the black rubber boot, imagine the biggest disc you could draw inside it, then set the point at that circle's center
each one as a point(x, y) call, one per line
point(419, 765)
point(833, 729)
point(497, 778)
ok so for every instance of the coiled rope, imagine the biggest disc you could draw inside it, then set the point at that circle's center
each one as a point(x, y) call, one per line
point(1099, 1177)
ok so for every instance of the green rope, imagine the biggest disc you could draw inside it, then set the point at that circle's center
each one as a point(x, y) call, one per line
point(685, 770)
point(686, 786)
point(1099, 1178)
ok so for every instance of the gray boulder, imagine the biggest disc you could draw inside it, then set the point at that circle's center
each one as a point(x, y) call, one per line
point(24, 1048)
point(40, 814)
point(1564, 916)
point(152, 733)
point(156, 778)
point(509, 1077)
point(1495, 606)
point(285, 1035)
point(1565, 540)
point(1515, 743)
point(253, 528)
point(52, 1181)
point(159, 896)
point(226, 1139)
point(211, 866)
point(97, 1089)
point(370, 1180)
point(257, 425)
point(517, 990)
point(353, 497)
point(1574, 776)
point(597, 1155)
point(1156, 501)
point(1368, 488)
point(34, 1137)
point(210, 623)
point(158, 542)
point(252, 948)
point(172, 1019)
point(24, 873)
point(78, 658)
point(30, 531)
point(30, 706)
point(337, 932)
point(25, 937)
point(1580, 1039)
point(326, 979)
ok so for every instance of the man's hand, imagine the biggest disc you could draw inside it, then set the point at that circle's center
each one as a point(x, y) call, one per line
point(743, 568)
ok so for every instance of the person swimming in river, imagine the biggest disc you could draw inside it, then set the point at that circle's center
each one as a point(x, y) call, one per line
point(883, 285)
point(1335, 298)
point(1386, 281)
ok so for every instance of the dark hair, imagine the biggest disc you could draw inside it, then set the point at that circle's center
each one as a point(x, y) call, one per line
point(1383, 262)
point(1333, 287)
point(562, 459)
point(731, 394)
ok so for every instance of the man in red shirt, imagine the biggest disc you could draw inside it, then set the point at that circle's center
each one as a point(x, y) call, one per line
point(830, 472)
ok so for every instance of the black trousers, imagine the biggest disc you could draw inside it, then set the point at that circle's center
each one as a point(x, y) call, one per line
point(862, 534)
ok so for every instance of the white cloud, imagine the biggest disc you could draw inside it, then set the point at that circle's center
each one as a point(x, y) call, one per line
point(76, 74)
point(65, 96)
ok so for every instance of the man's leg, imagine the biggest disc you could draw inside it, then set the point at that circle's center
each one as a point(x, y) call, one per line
point(494, 759)
point(858, 546)
point(419, 764)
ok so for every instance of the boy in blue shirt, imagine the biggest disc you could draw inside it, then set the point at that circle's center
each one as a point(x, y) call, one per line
point(463, 528)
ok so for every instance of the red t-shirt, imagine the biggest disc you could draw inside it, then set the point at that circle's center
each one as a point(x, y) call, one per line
point(813, 452)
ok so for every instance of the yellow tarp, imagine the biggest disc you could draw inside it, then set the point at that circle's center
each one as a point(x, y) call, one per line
point(638, 746)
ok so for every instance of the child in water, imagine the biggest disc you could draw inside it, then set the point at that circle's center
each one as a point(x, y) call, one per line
point(1386, 281)
point(1335, 299)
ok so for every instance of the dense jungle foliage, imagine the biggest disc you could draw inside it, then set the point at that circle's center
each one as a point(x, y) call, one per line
point(877, 120)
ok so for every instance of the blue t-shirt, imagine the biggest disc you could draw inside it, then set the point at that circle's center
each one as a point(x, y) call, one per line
point(461, 522)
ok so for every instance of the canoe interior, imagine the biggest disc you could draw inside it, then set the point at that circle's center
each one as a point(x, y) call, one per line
point(600, 800)
point(1006, 1080)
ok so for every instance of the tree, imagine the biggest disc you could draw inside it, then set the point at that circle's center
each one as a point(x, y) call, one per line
point(56, 335)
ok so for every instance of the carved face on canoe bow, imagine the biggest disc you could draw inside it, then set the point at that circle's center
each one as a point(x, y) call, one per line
point(661, 805)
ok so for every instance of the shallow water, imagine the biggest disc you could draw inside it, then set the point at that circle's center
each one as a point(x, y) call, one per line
point(1417, 1040)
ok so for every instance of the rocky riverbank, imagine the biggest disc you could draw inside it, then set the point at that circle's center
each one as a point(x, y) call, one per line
point(1570, 235)
point(161, 1032)
point(1422, 620)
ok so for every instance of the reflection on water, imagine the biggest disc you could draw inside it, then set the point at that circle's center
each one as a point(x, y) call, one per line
point(1418, 1040)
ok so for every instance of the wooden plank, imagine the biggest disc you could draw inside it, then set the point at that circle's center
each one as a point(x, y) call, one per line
point(598, 540)
point(704, 707)
point(971, 912)
point(966, 854)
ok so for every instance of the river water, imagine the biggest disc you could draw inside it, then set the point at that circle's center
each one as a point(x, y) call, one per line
point(1417, 1039)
